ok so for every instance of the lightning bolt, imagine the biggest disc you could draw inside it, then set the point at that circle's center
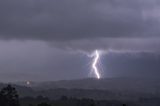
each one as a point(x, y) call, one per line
point(94, 65)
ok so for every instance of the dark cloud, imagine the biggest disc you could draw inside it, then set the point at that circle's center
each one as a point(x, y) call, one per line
point(115, 26)
point(77, 19)
point(120, 45)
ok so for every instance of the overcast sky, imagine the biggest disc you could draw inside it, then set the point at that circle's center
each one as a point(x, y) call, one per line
point(50, 39)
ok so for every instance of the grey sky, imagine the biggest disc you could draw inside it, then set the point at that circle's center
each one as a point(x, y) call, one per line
point(39, 37)
point(78, 19)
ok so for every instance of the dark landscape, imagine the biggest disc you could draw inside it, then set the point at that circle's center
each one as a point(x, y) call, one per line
point(90, 92)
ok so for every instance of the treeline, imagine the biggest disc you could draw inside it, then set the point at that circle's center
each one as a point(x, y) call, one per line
point(10, 97)
point(65, 101)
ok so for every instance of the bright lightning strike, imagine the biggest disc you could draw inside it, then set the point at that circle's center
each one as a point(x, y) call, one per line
point(94, 65)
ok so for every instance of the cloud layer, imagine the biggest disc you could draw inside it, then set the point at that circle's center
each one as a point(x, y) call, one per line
point(31, 29)
point(78, 19)
point(110, 24)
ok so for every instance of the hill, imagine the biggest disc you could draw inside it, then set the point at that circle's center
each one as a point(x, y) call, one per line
point(113, 88)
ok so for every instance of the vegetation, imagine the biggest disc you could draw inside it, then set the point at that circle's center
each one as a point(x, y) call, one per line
point(65, 101)
point(9, 97)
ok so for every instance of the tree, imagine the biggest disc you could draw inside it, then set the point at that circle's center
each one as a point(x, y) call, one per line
point(124, 105)
point(92, 104)
point(9, 96)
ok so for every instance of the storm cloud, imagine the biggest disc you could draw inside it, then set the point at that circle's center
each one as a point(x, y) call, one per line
point(82, 20)
point(74, 19)
point(43, 38)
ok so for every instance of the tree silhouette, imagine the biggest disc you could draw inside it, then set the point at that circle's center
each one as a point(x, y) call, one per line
point(124, 105)
point(9, 96)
